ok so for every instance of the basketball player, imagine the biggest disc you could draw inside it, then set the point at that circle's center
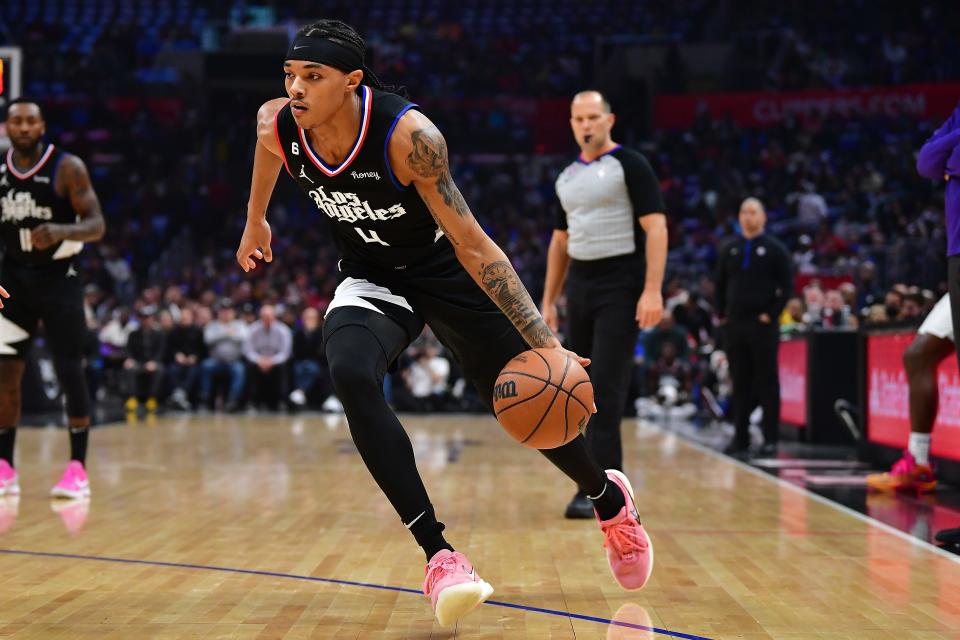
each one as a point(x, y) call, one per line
point(412, 252)
point(611, 235)
point(939, 159)
point(933, 344)
point(48, 209)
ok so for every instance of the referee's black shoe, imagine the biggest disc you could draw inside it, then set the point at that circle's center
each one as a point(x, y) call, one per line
point(580, 508)
point(737, 450)
point(950, 539)
point(768, 450)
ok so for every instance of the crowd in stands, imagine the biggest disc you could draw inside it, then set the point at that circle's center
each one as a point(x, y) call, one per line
point(174, 320)
point(172, 352)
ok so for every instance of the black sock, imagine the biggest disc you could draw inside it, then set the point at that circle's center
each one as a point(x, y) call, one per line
point(609, 502)
point(429, 533)
point(78, 444)
point(7, 436)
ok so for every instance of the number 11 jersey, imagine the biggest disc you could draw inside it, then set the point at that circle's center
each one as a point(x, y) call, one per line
point(28, 199)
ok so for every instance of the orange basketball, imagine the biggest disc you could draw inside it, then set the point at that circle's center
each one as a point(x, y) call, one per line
point(543, 398)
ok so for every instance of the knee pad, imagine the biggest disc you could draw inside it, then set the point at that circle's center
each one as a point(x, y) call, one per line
point(342, 347)
point(356, 360)
point(74, 384)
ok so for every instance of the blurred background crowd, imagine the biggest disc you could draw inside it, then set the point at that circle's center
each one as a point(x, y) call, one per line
point(159, 99)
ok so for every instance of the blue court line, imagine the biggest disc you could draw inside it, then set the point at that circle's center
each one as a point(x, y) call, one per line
point(350, 583)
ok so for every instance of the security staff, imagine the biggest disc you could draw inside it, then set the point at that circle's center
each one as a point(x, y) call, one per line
point(753, 282)
point(611, 234)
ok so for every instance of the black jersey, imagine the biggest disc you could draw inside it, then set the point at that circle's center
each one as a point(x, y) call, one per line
point(376, 222)
point(29, 199)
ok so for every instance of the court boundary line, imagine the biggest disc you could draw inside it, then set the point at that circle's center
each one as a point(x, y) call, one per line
point(349, 583)
point(917, 542)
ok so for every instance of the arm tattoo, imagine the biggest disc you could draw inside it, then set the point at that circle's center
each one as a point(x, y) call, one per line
point(429, 160)
point(503, 285)
point(442, 226)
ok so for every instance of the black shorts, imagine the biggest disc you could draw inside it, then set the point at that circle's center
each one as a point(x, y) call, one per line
point(52, 293)
point(444, 296)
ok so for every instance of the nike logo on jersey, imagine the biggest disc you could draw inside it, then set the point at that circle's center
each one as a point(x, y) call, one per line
point(71, 272)
point(302, 46)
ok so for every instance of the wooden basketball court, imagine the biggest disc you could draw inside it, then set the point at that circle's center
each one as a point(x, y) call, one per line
point(270, 528)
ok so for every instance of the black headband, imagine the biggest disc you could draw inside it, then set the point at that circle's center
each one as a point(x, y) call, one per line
point(323, 51)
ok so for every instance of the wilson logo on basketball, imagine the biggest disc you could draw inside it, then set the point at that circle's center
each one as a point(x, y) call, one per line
point(506, 389)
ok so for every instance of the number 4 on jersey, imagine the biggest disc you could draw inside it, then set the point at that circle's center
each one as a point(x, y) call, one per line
point(370, 236)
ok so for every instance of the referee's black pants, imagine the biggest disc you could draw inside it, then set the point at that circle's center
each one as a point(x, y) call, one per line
point(751, 348)
point(601, 311)
point(953, 286)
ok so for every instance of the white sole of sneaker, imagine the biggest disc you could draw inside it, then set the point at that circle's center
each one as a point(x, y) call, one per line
point(10, 491)
point(56, 492)
point(457, 601)
point(626, 482)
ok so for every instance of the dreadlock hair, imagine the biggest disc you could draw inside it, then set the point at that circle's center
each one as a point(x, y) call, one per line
point(345, 35)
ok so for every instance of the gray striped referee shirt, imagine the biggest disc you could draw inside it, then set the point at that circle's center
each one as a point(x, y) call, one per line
point(602, 201)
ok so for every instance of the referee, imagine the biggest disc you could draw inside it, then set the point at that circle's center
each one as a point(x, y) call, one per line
point(610, 207)
point(753, 282)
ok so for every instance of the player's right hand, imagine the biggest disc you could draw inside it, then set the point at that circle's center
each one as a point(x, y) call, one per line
point(255, 243)
point(549, 313)
point(3, 294)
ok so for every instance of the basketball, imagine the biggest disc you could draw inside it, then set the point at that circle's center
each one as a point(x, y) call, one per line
point(543, 398)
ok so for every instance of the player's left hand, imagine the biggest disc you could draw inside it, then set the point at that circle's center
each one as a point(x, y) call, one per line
point(649, 309)
point(46, 235)
point(3, 294)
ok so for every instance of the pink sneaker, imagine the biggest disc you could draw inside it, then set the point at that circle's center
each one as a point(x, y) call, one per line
point(453, 586)
point(9, 485)
point(74, 484)
point(629, 550)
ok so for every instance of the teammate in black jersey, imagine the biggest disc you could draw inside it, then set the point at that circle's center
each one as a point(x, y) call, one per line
point(48, 209)
point(412, 253)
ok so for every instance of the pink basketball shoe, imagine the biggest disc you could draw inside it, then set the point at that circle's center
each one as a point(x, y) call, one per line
point(9, 485)
point(453, 586)
point(629, 550)
point(74, 483)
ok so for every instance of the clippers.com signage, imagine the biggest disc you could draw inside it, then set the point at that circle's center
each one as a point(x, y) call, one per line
point(792, 366)
point(764, 109)
point(888, 408)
